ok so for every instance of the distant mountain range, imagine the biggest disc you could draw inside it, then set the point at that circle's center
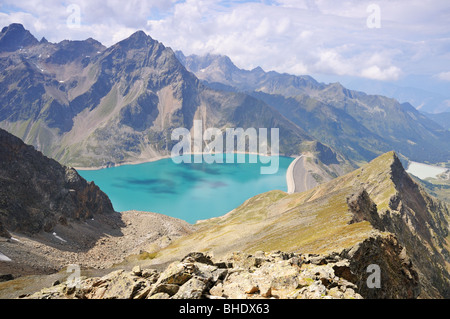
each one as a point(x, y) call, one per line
point(87, 105)
point(357, 124)
point(423, 98)
point(427, 93)
point(442, 119)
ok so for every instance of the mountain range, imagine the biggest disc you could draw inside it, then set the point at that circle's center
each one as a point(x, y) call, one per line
point(356, 124)
point(442, 118)
point(428, 95)
point(79, 103)
point(86, 105)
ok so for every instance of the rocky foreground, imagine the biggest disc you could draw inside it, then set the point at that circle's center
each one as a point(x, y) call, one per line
point(239, 276)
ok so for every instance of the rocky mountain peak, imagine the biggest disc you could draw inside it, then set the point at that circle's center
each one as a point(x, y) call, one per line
point(137, 40)
point(14, 37)
point(390, 168)
point(391, 201)
point(13, 27)
point(68, 51)
point(258, 69)
point(213, 62)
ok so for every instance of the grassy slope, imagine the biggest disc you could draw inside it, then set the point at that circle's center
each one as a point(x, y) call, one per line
point(316, 221)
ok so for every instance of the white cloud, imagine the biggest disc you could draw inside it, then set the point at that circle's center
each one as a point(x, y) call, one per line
point(374, 72)
point(105, 20)
point(295, 36)
point(253, 35)
point(444, 76)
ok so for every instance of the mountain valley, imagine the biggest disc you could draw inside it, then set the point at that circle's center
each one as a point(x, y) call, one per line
point(350, 207)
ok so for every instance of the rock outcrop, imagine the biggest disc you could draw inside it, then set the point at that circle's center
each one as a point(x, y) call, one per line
point(419, 222)
point(37, 193)
point(197, 276)
point(3, 232)
point(51, 217)
point(399, 278)
point(261, 275)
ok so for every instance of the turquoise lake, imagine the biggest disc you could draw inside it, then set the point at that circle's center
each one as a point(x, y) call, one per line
point(189, 191)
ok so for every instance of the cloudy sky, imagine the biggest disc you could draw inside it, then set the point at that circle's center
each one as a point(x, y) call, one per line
point(386, 40)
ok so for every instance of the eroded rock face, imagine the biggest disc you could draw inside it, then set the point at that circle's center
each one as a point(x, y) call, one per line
point(244, 276)
point(399, 279)
point(363, 208)
point(4, 232)
point(418, 222)
point(37, 193)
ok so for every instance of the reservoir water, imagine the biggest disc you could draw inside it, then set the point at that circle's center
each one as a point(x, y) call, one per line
point(189, 191)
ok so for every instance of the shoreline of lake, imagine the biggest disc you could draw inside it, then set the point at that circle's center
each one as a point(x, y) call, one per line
point(161, 157)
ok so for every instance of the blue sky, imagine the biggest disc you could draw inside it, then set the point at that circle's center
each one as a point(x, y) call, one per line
point(328, 39)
